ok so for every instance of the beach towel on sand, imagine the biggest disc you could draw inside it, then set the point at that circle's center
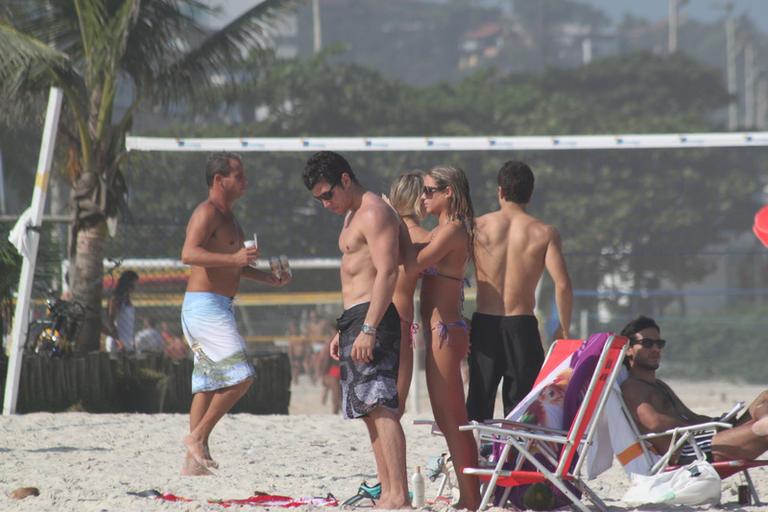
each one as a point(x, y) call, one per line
point(259, 499)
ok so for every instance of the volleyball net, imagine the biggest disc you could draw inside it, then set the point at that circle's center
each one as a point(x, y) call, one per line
point(651, 224)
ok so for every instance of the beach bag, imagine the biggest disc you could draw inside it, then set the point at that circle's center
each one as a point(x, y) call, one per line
point(695, 484)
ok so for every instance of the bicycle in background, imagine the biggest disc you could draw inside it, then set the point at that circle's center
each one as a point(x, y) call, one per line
point(55, 335)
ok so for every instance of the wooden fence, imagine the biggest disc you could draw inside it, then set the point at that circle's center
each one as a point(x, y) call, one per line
point(96, 383)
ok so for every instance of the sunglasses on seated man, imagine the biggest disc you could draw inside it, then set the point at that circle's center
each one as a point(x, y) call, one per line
point(648, 343)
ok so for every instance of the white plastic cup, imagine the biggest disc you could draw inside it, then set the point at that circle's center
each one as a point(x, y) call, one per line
point(248, 245)
point(255, 240)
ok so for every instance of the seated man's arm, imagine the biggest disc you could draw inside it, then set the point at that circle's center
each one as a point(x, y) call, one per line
point(639, 400)
point(697, 418)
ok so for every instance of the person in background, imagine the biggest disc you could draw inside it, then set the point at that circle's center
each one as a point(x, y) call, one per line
point(175, 347)
point(121, 315)
point(330, 375)
point(149, 338)
point(297, 347)
point(316, 334)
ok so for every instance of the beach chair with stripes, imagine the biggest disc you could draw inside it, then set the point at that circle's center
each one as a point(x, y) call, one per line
point(532, 453)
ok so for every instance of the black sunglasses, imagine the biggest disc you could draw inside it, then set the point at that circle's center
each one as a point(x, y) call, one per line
point(648, 343)
point(428, 191)
point(327, 195)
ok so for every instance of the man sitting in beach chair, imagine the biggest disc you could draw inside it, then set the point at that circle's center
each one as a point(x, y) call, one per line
point(656, 408)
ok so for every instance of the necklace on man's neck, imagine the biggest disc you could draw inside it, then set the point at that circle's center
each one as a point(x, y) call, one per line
point(221, 210)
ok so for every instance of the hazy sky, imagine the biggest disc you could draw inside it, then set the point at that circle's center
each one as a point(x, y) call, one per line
point(705, 10)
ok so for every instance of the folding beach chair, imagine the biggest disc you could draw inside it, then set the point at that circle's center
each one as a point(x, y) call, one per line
point(552, 452)
point(640, 456)
point(559, 352)
point(558, 355)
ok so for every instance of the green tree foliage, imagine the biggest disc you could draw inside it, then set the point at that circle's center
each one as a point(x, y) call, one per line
point(636, 208)
point(10, 265)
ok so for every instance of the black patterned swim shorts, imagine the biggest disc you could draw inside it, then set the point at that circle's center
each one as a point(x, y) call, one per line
point(365, 386)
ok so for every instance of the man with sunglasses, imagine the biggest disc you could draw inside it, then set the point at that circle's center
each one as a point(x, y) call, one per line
point(512, 249)
point(656, 408)
point(367, 342)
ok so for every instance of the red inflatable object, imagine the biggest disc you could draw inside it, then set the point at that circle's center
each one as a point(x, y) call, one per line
point(760, 228)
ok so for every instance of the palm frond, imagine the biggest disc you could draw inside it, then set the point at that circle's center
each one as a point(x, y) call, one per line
point(52, 21)
point(91, 19)
point(26, 63)
point(196, 68)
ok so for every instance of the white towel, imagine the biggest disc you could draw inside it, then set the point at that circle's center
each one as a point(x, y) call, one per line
point(615, 436)
point(19, 235)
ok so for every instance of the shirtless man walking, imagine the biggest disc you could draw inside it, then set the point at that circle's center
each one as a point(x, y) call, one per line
point(656, 408)
point(214, 247)
point(512, 249)
point(367, 343)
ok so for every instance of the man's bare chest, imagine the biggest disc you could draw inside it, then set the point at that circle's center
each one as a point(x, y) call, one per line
point(351, 239)
point(226, 237)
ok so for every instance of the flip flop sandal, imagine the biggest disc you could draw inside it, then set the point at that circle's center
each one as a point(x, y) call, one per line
point(373, 490)
point(362, 494)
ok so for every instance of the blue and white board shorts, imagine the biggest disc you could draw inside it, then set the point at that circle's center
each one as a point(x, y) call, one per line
point(208, 322)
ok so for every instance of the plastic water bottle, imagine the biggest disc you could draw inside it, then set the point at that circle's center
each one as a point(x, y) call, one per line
point(417, 483)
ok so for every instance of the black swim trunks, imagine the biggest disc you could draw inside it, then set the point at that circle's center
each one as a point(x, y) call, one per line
point(507, 347)
point(365, 386)
point(704, 441)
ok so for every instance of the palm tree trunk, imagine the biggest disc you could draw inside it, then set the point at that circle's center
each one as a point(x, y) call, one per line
point(86, 276)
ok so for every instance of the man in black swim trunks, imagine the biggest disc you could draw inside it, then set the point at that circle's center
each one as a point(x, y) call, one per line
point(656, 408)
point(512, 249)
point(368, 340)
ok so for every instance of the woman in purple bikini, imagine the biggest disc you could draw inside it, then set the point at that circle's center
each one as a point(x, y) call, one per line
point(442, 262)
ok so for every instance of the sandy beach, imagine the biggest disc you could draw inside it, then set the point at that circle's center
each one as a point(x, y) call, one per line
point(89, 462)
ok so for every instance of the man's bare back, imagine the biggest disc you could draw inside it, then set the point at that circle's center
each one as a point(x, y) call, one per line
point(512, 249)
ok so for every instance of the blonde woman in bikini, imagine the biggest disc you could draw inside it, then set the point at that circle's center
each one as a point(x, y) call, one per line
point(405, 198)
point(442, 262)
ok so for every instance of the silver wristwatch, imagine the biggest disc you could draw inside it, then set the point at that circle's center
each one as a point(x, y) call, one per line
point(368, 329)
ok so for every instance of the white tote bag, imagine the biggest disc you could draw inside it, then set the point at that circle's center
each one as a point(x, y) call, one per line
point(695, 484)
